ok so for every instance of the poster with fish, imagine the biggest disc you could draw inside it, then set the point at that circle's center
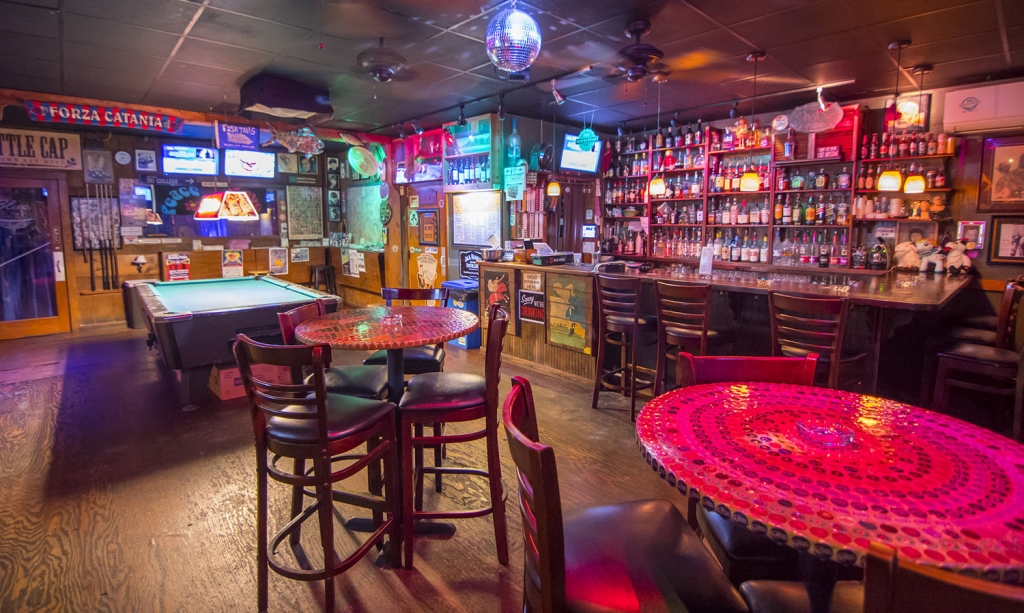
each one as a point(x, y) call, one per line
point(305, 212)
point(568, 311)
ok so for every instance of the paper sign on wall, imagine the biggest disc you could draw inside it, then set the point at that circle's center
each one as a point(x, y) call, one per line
point(278, 258)
point(231, 264)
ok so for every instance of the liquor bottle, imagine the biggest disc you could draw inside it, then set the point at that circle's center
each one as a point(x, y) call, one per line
point(720, 177)
point(933, 146)
point(869, 181)
point(821, 180)
point(873, 152)
point(833, 259)
point(842, 212)
point(719, 216)
point(762, 254)
point(643, 142)
point(814, 250)
point(717, 245)
point(864, 147)
point(787, 212)
point(903, 148)
point(643, 165)
point(698, 135)
point(736, 177)
point(883, 149)
point(688, 137)
point(743, 217)
point(789, 147)
point(777, 247)
point(940, 179)
point(699, 212)
point(728, 141)
point(819, 211)
point(862, 177)
point(824, 252)
point(805, 249)
point(830, 212)
point(788, 247)
point(844, 252)
point(618, 145)
point(843, 179)
point(659, 140)
point(735, 254)
point(745, 248)
point(515, 145)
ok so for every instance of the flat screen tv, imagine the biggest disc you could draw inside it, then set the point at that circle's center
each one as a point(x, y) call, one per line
point(575, 159)
point(255, 164)
point(188, 160)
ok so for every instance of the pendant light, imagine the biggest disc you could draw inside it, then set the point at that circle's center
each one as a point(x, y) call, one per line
point(657, 187)
point(751, 181)
point(891, 180)
point(554, 188)
point(915, 183)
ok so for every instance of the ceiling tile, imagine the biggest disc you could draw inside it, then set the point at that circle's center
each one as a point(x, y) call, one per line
point(189, 96)
point(164, 15)
point(208, 53)
point(102, 57)
point(102, 76)
point(299, 14)
point(941, 25)
point(25, 45)
point(309, 72)
point(801, 23)
point(472, 86)
point(880, 11)
point(208, 75)
point(578, 50)
point(10, 64)
point(584, 13)
point(49, 4)
point(33, 83)
point(243, 31)
point(875, 65)
point(441, 14)
point(336, 51)
point(127, 92)
point(551, 26)
point(670, 21)
point(1015, 36)
point(601, 117)
point(32, 20)
point(447, 49)
point(728, 12)
point(842, 45)
point(363, 23)
point(952, 50)
point(102, 33)
point(1013, 13)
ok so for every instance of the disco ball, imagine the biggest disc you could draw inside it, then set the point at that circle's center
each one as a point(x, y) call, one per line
point(513, 40)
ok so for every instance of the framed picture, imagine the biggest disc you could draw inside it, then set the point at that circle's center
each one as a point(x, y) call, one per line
point(973, 232)
point(334, 198)
point(145, 160)
point(287, 163)
point(1007, 245)
point(429, 230)
point(99, 166)
point(333, 165)
point(307, 165)
point(334, 213)
point(569, 311)
point(911, 113)
point(333, 181)
point(1002, 176)
point(499, 287)
point(916, 230)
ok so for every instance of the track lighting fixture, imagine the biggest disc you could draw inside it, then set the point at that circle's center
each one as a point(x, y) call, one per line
point(734, 111)
point(416, 126)
point(462, 115)
point(559, 98)
point(501, 107)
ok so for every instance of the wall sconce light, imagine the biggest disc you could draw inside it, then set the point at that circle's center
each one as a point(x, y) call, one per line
point(139, 262)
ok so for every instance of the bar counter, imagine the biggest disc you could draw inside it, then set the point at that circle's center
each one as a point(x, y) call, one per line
point(881, 301)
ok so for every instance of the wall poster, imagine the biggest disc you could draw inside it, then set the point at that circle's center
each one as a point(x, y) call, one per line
point(305, 212)
point(568, 311)
point(476, 216)
point(498, 286)
point(531, 306)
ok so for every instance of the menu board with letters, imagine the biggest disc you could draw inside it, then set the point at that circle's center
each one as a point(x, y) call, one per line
point(476, 216)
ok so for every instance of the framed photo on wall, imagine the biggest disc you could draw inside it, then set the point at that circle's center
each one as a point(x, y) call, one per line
point(1007, 243)
point(429, 229)
point(973, 232)
point(1002, 176)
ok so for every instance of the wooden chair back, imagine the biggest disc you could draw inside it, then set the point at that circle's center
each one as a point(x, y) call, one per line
point(684, 306)
point(894, 587)
point(539, 503)
point(289, 320)
point(405, 294)
point(495, 345)
point(809, 325)
point(617, 296)
point(697, 370)
point(268, 399)
point(1006, 329)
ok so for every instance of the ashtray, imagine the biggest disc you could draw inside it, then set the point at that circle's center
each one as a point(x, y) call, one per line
point(391, 320)
point(824, 432)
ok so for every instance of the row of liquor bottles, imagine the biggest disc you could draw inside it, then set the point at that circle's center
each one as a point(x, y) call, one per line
point(820, 248)
point(889, 144)
point(787, 179)
point(670, 137)
point(935, 178)
point(469, 170)
point(726, 176)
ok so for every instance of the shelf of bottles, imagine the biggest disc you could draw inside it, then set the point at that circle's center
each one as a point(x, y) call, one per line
point(816, 192)
point(472, 155)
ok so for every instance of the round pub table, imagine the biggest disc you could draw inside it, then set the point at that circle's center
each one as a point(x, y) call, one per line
point(827, 472)
point(392, 328)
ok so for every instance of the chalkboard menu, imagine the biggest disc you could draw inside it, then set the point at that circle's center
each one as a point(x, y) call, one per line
point(476, 216)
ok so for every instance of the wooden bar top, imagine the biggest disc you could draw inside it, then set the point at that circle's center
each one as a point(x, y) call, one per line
point(897, 290)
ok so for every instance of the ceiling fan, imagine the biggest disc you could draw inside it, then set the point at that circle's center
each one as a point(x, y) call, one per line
point(381, 63)
point(640, 60)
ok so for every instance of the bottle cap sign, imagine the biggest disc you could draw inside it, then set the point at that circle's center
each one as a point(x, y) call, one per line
point(780, 123)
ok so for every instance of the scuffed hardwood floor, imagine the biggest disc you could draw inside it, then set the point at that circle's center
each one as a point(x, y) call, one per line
point(112, 499)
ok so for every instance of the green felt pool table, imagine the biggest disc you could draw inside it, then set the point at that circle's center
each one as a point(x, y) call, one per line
point(194, 323)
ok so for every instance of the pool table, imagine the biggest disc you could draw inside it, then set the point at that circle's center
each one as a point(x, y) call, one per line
point(194, 323)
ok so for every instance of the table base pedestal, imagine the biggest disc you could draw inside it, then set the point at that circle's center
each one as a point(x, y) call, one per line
point(421, 528)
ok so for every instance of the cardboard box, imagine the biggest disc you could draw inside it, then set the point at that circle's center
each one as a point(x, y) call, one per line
point(226, 383)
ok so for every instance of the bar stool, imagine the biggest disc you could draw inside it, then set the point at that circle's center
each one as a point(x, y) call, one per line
point(322, 275)
point(446, 398)
point(619, 324)
point(359, 381)
point(989, 370)
point(684, 318)
point(631, 556)
point(301, 421)
point(811, 325)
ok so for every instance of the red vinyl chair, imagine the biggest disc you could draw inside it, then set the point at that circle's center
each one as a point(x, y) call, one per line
point(358, 381)
point(631, 556)
point(744, 554)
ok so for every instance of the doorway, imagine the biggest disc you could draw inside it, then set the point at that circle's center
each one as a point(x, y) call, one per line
point(33, 286)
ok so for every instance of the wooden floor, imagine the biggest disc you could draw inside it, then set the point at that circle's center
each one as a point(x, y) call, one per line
point(112, 499)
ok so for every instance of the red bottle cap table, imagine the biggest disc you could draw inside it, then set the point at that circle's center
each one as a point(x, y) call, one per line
point(356, 329)
point(938, 490)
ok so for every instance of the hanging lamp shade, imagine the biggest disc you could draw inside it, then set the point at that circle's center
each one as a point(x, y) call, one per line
point(750, 182)
point(513, 40)
point(890, 181)
point(914, 184)
point(657, 187)
point(554, 188)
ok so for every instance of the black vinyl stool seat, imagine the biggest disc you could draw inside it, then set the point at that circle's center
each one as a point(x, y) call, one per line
point(300, 421)
point(619, 324)
point(418, 360)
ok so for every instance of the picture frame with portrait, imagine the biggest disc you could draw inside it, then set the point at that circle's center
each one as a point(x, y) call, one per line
point(1002, 176)
point(308, 165)
point(1007, 243)
point(287, 163)
point(333, 181)
point(333, 165)
point(916, 230)
point(145, 160)
point(334, 198)
point(972, 232)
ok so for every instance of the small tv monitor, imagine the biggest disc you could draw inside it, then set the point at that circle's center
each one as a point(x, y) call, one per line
point(574, 159)
point(188, 160)
point(254, 164)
